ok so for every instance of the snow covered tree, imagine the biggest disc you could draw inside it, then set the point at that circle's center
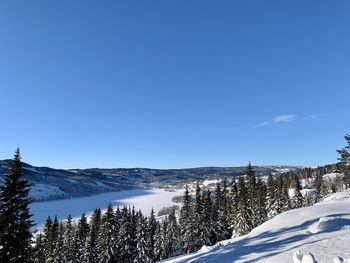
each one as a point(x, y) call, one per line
point(125, 241)
point(186, 220)
point(260, 212)
point(207, 221)
point(92, 242)
point(271, 198)
point(68, 242)
point(15, 218)
point(173, 238)
point(243, 223)
point(39, 249)
point(197, 219)
point(233, 207)
point(143, 247)
point(152, 228)
point(80, 235)
point(106, 238)
point(282, 197)
point(345, 161)
point(297, 200)
point(252, 194)
point(219, 220)
point(58, 253)
point(158, 250)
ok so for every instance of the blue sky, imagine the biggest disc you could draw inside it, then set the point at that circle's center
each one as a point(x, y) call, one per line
point(172, 84)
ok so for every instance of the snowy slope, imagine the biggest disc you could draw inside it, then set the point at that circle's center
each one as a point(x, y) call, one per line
point(322, 229)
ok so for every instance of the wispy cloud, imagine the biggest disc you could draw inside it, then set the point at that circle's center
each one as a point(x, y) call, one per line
point(262, 124)
point(284, 118)
point(313, 116)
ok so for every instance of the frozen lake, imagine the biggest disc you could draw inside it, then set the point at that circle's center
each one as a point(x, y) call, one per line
point(141, 199)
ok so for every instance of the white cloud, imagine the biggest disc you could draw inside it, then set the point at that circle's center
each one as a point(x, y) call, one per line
point(284, 118)
point(262, 124)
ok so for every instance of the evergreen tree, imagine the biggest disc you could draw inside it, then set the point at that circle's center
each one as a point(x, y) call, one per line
point(106, 240)
point(158, 244)
point(243, 223)
point(282, 197)
point(207, 223)
point(233, 207)
point(68, 242)
point(260, 213)
point(92, 248)
point(252, 195)
point(80, 235)
point(39, 249)
point(143, 247)
point(152, 228)
point(197, 219)
point(173, 239)
point(186, 216)
point(219, 220)
point(52, 240)
point(297, 200)
point(125, 242)
point(48, 242)
point(15, 218)
point(271, 198)
point(345, 161)
point(58, 253)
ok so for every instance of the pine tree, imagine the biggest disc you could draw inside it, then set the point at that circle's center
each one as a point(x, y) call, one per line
point(233, 207)
point(243, 223)
point(186, 216)
point(68, 242)
point(297, 200)
point(225, 209)
point(252, 195)
point(260, 213)
point(39, 249)
point(152, 228)
point(158, 243)
point(173, 239)
point(80, 235)
point(197, 219)
point(143, 247)
point(125, 242)
point(345, 161)
point(92, 248)
point(15, 218)
point(282, 197)
point(106, 239)
point(271, 198)
point(207, 223)
point(220, 225)
point(52, 240)
point(47, 240)
point(58, 253)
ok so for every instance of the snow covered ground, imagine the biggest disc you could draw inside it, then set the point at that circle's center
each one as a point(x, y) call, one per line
point(141, 199)
point(322, 230)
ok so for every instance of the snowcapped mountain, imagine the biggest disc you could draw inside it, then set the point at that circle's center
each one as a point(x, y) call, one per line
point(48, 183)
point(322, 230)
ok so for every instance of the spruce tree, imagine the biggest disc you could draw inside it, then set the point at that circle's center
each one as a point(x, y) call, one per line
point(58, 253)
point(80, 235)
point(297, 200)
point(143, 248)
point(68, 241)
point(271, 198)
point(252, 195)
point(105, 239)
point(243, 223)
point(15, 217)
point(39, 249)
point(207, 223)
point(125, 242)
point(92, 248)
point(173, 237)
point(158, 243)
point(186, 221)
point(233, 207)
point(152, 228)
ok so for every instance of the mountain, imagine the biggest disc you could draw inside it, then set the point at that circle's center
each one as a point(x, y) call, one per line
point(49, 183)
point(322, 230)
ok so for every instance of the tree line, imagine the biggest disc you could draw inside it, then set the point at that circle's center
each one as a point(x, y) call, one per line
point(232, 209)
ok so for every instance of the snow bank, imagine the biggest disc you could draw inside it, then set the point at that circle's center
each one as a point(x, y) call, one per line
point(321, 231)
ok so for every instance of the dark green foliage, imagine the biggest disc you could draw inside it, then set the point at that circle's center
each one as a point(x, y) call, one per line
point(15, 218)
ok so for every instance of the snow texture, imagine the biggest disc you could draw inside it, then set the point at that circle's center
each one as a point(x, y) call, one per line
point(318, 233)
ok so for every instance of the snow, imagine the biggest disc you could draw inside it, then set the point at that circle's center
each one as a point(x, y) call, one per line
point(208, 182)
point(141, 199)
point(318, 233)
point(40, 191)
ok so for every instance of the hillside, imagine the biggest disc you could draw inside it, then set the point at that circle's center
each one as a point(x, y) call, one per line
point(51, 184)
point(322, 230)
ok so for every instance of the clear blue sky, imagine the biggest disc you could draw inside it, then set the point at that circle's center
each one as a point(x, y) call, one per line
point(173, 84)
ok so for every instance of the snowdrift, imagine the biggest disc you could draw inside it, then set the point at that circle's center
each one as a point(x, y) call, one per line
point(320, 232)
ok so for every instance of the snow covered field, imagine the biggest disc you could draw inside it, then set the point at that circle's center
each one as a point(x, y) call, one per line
point(141, 199)
point(322, 230)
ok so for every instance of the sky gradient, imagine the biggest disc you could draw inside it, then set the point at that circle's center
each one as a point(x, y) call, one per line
point(171, 84)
